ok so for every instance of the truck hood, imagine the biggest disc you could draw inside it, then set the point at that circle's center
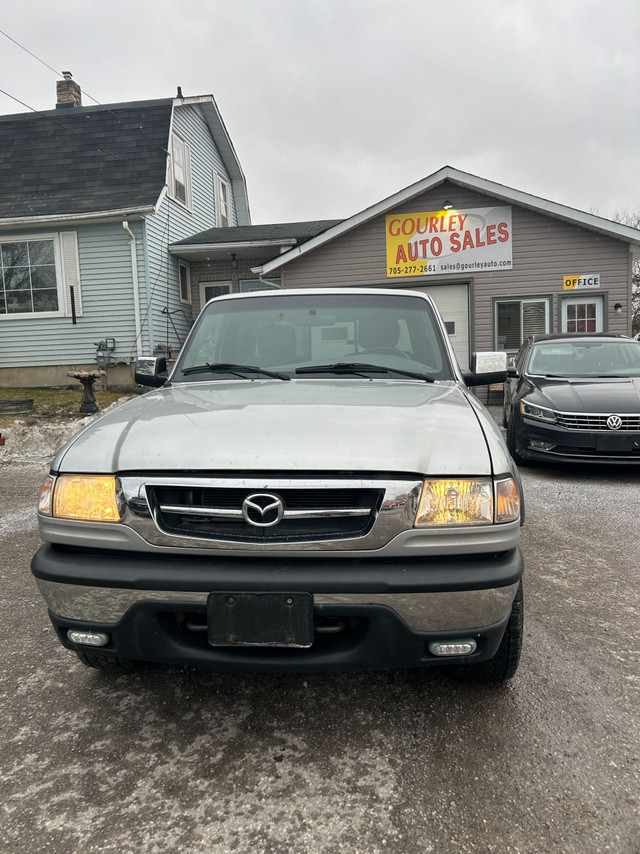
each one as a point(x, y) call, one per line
point(301, 425)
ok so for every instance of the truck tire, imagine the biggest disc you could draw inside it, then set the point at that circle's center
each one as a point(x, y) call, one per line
point(505, 662)
point(108, 663)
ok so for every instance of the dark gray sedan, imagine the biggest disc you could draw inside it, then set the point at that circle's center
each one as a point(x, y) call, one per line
point(574, 398)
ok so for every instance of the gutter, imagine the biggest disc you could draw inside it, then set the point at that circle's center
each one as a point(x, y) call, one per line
point(136, 294)
point(63, 219)
point(185, 248)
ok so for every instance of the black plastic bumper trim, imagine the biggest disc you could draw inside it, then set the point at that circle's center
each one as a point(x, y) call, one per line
point(336, 575)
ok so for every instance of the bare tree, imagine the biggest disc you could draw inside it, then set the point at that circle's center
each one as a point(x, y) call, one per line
point(632, 219)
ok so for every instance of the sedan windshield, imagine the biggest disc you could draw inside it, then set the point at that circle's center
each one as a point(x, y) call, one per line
point(305, 336)
point(587, 358)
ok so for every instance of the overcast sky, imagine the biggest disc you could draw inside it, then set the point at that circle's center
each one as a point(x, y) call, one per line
point(333, 105)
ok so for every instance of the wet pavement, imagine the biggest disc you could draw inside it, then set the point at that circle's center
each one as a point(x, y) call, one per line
point(189, 761)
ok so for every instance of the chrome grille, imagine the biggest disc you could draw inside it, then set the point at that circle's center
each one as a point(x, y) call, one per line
point(307, 513)
point(324, 513)
point(585, 421)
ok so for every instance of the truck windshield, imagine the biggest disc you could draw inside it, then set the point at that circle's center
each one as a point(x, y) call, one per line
point(296, 330)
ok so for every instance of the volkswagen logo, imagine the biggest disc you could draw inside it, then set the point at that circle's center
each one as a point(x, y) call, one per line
point(614, 422)
point(262, 509)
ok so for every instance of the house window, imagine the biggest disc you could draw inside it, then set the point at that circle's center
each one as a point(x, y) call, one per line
point(516, 320)
point(223, 202)
point(29, 279)
point(184, 272)
point(180, 171)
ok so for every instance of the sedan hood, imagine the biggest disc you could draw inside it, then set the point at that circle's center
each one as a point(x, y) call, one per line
point(607, 395)
point(301, 425)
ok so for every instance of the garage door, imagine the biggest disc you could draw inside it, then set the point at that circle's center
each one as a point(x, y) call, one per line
point(452, 302)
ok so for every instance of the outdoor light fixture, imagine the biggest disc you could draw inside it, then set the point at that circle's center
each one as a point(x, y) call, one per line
point(618, 307)
point(447, 205)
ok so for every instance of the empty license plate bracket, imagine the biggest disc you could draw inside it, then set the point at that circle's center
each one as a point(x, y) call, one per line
point(260, 619)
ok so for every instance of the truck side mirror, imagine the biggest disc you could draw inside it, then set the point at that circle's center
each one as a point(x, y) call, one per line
point(151, 370)
point(487, 368)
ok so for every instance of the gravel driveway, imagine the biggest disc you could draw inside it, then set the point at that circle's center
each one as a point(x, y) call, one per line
point(188, 761)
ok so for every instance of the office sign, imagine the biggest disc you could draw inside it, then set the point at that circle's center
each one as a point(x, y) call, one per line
point(581, 281)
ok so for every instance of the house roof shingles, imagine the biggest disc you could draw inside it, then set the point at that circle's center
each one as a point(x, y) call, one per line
point(62, 161)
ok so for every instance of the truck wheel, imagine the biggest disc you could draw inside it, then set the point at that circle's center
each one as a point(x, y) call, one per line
point(108, 663)
point(505, 662)
point(511, 442)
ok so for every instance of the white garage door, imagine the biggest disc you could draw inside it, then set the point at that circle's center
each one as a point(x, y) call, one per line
point(452, 302)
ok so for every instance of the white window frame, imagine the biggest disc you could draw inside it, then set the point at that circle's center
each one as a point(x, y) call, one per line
point(178, 143)
point(521, 300)
point(591, 299)
point(60, 282)
point(184, 265)
point(203, 300)
point(223, 205)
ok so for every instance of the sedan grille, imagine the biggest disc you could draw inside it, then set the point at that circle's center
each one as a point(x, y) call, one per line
point(582, 421)
point(253, 516)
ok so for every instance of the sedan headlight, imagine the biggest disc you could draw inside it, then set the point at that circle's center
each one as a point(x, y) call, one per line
point(467, 501)
point(89, 498)
point(540, 412)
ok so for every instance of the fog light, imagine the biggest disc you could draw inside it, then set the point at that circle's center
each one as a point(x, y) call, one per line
point(88, 638)
point(537, 445)
point(457, 647)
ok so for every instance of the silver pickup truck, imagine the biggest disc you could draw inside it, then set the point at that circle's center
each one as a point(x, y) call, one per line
point(313, 487)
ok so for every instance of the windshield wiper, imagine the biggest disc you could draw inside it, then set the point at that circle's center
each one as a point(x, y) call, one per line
point(230, 368)
point(360, 368)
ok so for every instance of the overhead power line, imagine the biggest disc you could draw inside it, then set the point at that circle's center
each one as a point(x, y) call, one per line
point(59, 124)
point(60, 74)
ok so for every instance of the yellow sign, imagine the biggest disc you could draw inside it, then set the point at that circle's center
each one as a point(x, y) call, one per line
point(581, 281)
point(448, 241)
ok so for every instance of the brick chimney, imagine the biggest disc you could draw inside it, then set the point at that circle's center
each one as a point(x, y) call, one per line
point(68, 92)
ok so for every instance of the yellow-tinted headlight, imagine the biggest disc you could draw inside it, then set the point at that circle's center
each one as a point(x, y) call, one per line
point(91, 498)
point(456, 502)
point(507, 500)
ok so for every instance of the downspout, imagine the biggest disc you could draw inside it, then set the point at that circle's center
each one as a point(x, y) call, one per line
point(136, 294)
point(147, 282)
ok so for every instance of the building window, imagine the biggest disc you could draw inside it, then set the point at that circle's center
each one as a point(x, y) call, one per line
point(180, 171)
point(184, 272)
point(223, 202)
point(582, 314)
point(248, 285)
point(516, 320)
point(29, 279)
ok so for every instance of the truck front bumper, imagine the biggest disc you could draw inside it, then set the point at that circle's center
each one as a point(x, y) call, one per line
point(154, 609)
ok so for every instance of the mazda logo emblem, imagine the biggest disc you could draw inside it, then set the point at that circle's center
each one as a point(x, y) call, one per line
point(262, 509)
point(614, 422)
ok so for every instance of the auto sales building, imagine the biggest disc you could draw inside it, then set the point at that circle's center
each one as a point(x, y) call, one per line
point(499, 263)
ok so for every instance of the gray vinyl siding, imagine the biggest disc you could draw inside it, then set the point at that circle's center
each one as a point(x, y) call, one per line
point(173, 222)
point(544, 250)
point(107, 305)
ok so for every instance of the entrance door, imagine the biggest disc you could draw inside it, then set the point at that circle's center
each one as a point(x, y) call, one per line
point(452, 301)
point(582, 314)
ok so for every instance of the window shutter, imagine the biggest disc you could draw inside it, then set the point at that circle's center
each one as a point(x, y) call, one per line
point(71, 271)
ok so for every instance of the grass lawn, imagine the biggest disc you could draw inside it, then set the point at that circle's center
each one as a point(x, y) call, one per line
point(49, 403)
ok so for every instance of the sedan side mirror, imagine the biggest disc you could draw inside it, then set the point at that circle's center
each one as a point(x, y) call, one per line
point(487, 368)
point(151, 370)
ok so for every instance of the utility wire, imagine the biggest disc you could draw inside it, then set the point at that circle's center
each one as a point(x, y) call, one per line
point(51, 119)
point(60, 74)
